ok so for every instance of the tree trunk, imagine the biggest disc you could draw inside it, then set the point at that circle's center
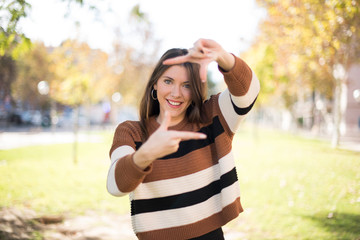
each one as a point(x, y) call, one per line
point(336, 114)
point(76, 130)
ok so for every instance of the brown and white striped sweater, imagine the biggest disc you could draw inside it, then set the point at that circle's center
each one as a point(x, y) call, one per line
point(194, 190)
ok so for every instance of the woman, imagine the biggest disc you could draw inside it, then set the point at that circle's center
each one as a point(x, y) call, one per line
point(176, 163)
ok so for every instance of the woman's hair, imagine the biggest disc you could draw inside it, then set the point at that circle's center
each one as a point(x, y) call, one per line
point(150, 107)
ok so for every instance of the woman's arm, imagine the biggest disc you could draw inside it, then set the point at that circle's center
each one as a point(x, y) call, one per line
point(243, 85)
point(124, 175)
point(240, 96)
point(161, 143)
point(128, 166)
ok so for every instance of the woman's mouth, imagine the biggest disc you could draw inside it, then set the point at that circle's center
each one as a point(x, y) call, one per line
point(173, 103)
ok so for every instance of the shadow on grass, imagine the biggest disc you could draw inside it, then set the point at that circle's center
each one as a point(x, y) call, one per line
point(343, 225)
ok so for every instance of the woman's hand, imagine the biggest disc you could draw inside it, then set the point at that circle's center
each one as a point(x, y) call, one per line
point(162, 142)
point(203, 52)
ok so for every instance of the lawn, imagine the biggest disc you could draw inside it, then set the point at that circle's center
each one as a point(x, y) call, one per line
point(291, 187)
point(296, 188)
point(45, 178)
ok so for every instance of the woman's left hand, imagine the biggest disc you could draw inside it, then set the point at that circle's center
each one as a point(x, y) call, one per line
point(204, 52)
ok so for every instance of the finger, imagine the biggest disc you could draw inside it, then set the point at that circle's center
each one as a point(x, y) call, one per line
point(203, 73)
point(186, 135)
point(165, 122)
point(197, 53)
point(199, 44)
point(177, 60)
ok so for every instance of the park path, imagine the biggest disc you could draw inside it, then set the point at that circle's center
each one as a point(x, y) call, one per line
point(23, 224)
point(16, 139)
point(9, 140)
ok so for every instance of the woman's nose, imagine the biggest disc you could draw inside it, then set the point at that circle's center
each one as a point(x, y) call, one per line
point(175, 91)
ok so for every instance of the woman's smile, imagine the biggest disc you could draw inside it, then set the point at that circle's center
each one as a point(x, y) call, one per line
point(174, 103)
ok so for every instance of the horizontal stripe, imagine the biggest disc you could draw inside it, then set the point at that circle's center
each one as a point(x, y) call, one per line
point(191, 182)
point(242, 111)
point(227, 102)
point(212, 131)
point(195, 161)
point(183, 216)
point(115, 156)
point(184, 199)
point(121, 152)
point(247, 99)
point(198, 228)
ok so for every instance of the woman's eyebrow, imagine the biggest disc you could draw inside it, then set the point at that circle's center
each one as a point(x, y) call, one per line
point(168, 77)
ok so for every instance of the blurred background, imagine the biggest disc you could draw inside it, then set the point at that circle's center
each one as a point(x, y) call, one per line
point(71, 70)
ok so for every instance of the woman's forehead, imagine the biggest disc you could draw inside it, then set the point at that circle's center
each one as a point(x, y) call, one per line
point(176, 72)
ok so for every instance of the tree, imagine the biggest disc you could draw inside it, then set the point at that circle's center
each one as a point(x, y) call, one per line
point(12, 42)
point(312, 40)
point(7, 76)
point(32, 68)
point(135, 60)
point(81, 76)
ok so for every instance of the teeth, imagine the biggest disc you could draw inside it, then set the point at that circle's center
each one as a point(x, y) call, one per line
point(174, 103)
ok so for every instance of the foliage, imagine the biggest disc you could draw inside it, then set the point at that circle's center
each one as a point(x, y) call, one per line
point(135, 60)
point(262, 58)
point(32, 68)
point(309, 38)
point(82, 75)
point(7, 76)
point(13, 42)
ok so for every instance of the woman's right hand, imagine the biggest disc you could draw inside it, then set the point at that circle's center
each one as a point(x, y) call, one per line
point(162, 142)
point(203, 52)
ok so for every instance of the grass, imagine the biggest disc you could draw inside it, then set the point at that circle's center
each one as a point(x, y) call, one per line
point(296, 188)
point(45, 179)
point(291, 187)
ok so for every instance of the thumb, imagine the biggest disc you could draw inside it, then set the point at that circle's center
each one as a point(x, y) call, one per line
point(165, 122)
point(203, 73)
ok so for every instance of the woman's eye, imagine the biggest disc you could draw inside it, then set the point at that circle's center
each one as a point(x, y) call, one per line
point(167, 81)
point(186, 85)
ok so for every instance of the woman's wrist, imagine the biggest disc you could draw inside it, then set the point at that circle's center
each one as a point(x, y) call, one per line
point(226, 61)
point(141, 160)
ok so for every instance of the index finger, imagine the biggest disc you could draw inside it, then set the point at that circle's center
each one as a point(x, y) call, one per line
point(187, 135)
point(166, 121)
point(177, 60)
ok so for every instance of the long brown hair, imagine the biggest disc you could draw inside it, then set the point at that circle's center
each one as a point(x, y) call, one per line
point(150, 107)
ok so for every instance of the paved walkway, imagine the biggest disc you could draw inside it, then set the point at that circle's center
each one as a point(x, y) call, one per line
point(21, 224)
point(15, 139)
point(9, 140)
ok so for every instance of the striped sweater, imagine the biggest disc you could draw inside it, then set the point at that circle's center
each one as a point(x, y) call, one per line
point(194, 190)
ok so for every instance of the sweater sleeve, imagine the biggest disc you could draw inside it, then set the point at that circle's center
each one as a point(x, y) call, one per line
point(123, 175)
point(242, 90)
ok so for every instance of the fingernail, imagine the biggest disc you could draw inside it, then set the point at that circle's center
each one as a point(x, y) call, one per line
point(203, 136)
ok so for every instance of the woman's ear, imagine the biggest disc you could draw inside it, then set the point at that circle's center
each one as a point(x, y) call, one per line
point(155, 86)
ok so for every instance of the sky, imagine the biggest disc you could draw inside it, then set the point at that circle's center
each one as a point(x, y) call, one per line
point(232, 23)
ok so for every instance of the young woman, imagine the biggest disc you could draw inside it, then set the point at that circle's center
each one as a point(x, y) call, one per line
point(176, 163)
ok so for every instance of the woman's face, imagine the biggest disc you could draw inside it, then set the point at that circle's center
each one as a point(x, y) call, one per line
point(173, 93)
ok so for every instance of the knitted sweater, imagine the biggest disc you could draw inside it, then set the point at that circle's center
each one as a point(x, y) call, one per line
point(194, 190)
